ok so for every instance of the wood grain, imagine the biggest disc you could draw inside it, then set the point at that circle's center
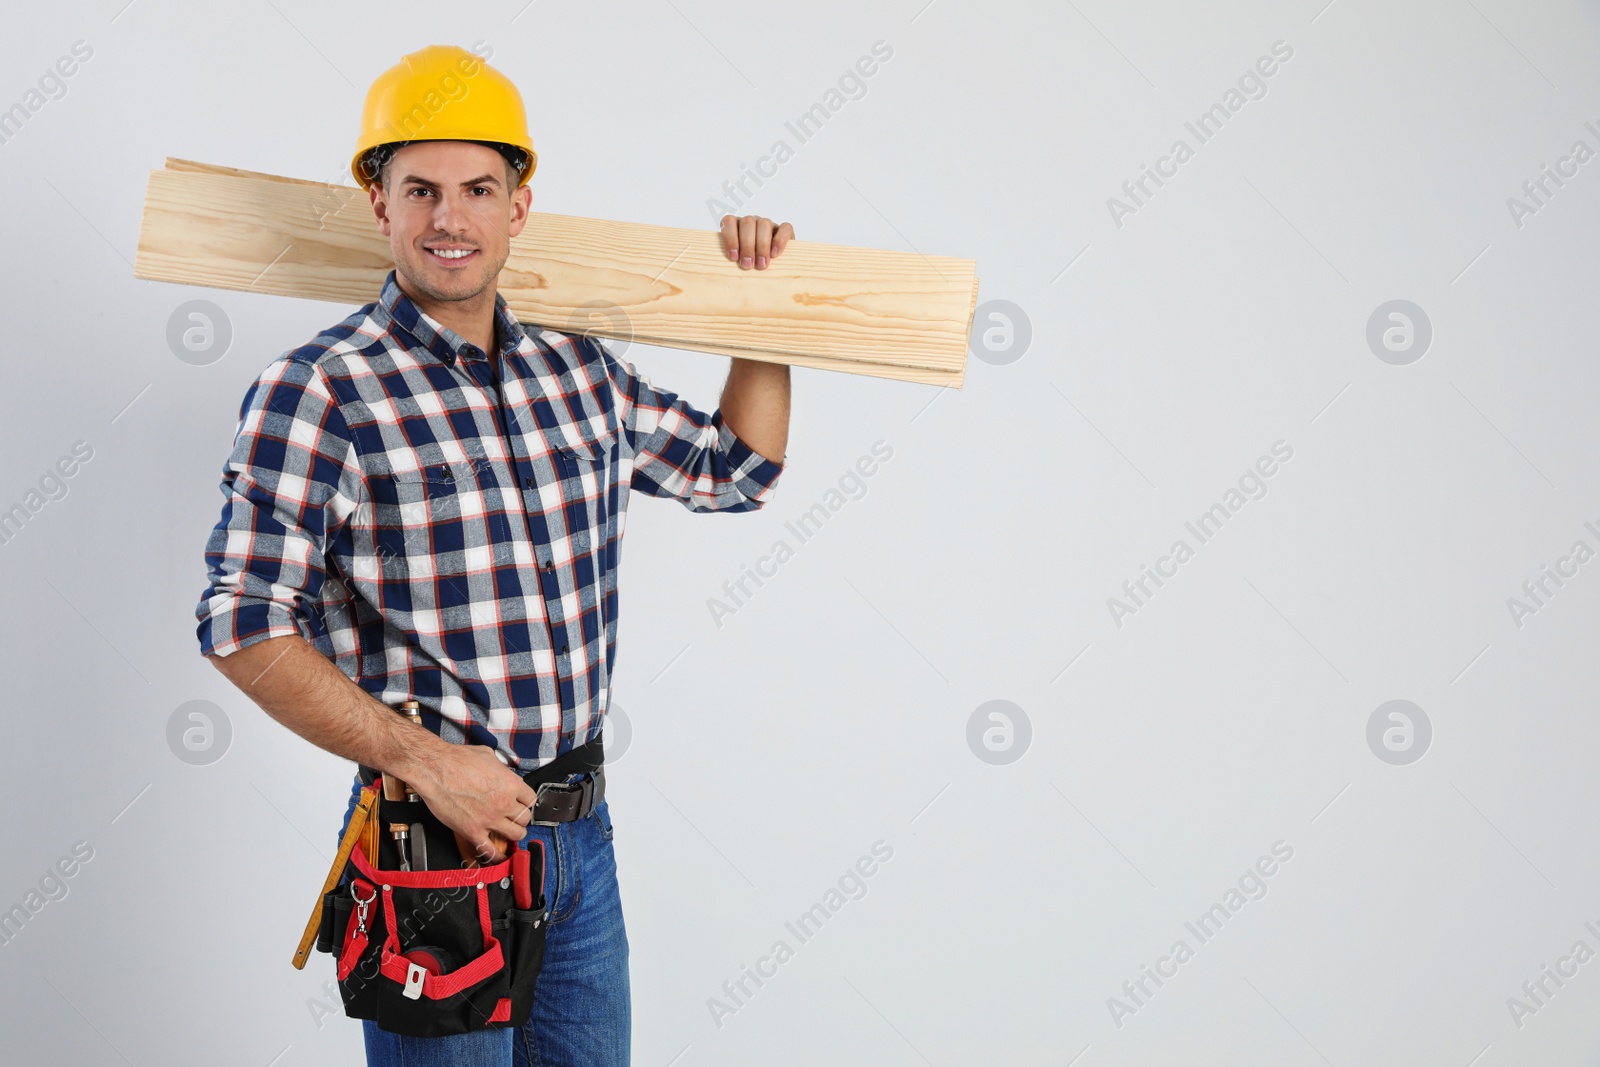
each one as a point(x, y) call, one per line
point(895, 315)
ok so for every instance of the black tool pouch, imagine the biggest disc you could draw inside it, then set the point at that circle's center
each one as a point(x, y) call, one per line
point(438, 952)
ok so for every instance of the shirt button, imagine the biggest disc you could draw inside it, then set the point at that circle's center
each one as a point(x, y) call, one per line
point(528, 481)
point(563, 650)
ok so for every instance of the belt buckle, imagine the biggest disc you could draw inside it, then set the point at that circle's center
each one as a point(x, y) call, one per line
point(564, 787)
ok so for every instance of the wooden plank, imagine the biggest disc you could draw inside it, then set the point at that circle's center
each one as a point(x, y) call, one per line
point(596, 323)
point(322, 205)
point(887, 314)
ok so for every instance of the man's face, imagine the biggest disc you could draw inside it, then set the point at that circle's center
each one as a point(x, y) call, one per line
point(449, 215)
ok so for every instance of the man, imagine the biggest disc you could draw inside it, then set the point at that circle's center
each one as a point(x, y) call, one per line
point(426, 503)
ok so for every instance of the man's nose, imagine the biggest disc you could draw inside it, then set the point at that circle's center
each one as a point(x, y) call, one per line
point(450, 214)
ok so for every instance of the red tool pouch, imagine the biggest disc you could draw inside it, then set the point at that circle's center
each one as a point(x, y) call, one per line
point(438, 952)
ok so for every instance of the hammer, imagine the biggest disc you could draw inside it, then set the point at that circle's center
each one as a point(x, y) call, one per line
point(396, 790)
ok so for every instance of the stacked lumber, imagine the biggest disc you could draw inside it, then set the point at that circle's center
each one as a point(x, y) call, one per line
point(898, 315)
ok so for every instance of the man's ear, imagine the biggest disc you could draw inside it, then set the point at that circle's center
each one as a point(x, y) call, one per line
point(380, 208)
point(521, 200)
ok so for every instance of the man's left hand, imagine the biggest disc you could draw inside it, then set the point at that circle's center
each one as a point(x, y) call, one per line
point(755, 241)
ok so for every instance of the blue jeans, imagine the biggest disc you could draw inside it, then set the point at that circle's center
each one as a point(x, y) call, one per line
point(582, 1014)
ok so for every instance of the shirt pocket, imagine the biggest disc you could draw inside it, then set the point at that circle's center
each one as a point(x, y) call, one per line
point(585, 467)
point(426, 522)
point(585, 456)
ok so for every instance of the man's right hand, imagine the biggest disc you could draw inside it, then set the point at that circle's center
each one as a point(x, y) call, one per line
point(466, 786)
point(473, 793)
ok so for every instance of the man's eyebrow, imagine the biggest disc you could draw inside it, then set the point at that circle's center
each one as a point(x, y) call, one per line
point(482, 179)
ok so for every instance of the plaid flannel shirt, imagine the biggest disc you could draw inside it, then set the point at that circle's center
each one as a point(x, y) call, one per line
point(448, 537)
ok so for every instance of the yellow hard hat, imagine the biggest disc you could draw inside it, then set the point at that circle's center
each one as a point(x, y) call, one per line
point(442, 93)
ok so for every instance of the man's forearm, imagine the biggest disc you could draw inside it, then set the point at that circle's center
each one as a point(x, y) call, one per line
point(755, 405)
point(300, 688)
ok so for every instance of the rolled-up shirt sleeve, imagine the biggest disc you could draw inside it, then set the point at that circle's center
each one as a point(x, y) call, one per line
point(682, 453)
point(289, 484)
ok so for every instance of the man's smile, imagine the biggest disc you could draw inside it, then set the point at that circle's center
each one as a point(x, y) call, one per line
point(451, 254)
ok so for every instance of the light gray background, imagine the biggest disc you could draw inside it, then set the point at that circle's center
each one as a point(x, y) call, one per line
point(832, 710)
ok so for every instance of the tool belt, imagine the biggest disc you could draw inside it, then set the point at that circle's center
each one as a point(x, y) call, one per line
point(454, 948)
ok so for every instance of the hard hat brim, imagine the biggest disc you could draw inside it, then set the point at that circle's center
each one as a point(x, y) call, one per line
point(358, 164)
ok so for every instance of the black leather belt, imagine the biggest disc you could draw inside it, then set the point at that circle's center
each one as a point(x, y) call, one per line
point(570, 800)
point(567, 788)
